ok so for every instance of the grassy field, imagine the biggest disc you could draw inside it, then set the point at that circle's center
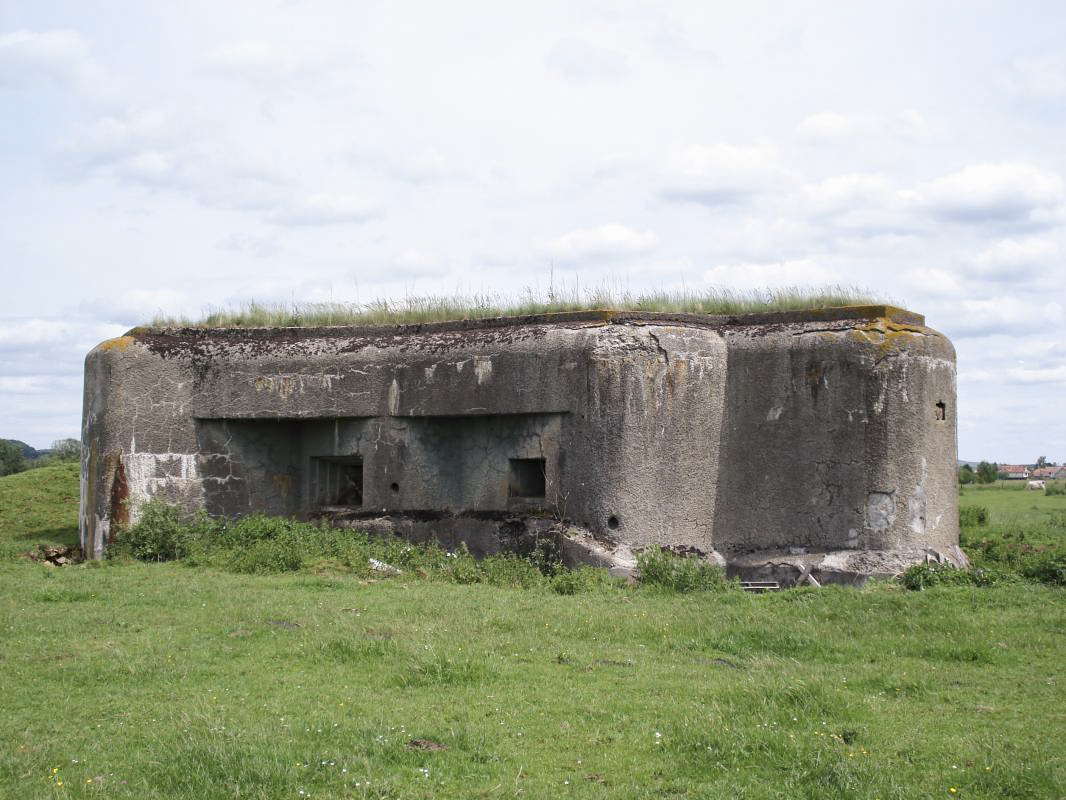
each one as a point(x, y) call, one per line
point(439, 308)
point(1010, 503)
point(163, 680)
point(1019, 525)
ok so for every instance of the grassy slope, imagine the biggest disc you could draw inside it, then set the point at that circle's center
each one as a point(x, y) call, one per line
point(479, 306)
point(163, 681)
point(39, 506)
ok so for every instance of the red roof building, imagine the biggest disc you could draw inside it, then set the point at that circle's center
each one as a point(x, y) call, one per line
point(1014, 472)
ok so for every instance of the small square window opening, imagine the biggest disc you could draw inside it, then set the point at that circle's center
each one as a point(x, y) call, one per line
point(526, 478)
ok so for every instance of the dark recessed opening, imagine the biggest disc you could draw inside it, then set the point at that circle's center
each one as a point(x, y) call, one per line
point(612, 522)
point(941, 410)
point(395, 487)
point(527, 478)
point(337, 480)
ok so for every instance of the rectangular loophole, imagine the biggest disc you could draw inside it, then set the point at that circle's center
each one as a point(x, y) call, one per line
point(337, 480)
point(526, 478)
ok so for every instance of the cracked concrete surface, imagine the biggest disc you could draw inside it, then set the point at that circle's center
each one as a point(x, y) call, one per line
point(728, 437)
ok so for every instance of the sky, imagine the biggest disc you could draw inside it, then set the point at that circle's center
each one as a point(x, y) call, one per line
point(170, 158)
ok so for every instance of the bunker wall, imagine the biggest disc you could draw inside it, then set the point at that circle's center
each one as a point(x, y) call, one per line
point(594, 422)
point(838, 439)
point(701, 434)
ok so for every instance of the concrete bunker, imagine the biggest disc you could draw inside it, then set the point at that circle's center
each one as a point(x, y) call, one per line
point(780, 445)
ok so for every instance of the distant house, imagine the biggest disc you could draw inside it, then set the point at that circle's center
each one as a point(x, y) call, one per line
point(1014, 472)
point(1045, 473)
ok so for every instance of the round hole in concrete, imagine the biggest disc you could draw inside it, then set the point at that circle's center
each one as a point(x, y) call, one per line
point(612, 522)
point(395, 487)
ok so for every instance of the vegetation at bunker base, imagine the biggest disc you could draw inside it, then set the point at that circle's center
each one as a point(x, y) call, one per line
point(128, 679)
point(441, 308)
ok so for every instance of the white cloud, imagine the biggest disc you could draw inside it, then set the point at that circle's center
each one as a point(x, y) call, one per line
point(830, 127)
point(250, 57)
point(976, 376)
point(326, 209)
point(722, 173)
point(27, 384)
point(843, 192)
point(1003, 315)
point(1038, 78)
point(859, 203)
point(259, 246)
point(426, 166)
point(18, 334)
point(933, 281)
point(114, 138)
point(1038, 374)
point(800, 272)
point(582, 61)
point(1009, 193)
point(137, 306)
point(1019, 260)
point(604, 241)
point(416, 263)
point(56, 56)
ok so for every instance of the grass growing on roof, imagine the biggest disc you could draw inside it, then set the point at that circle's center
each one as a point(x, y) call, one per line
point(442, 308)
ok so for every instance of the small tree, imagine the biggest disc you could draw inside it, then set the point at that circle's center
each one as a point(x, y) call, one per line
point(967, 475)
point(66, 449)
point(12, 459)
point(1041, 462)
point(987, 473)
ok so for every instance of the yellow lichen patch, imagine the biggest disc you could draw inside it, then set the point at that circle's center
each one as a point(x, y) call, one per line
point(888, 335)
point(120, 343)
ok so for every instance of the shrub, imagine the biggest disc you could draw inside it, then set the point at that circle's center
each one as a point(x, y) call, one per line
point(66, 449)
point(1048, 568)
point(924, 576)
point(463, 567)
point(266, 556)
point(12, 457)
point(1052, 489)
point(162, 532)
point(662, 569)
point(972, 516)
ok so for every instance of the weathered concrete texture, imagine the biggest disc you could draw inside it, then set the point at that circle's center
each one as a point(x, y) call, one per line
point(725, 437)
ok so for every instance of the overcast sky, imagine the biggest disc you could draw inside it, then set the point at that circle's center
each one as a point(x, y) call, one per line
point(167, 157)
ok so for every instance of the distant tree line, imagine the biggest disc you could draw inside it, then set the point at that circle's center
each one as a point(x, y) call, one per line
point(16, 456)
point(985, 473)
point(988, 473)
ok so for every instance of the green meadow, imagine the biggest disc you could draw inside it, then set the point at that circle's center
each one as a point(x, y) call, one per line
point(229, 675)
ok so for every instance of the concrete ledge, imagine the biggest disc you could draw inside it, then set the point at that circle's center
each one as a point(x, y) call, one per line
point(845, 567)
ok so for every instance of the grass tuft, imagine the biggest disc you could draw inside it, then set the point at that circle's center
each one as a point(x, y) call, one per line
point(663, 570)
point(443, 308)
